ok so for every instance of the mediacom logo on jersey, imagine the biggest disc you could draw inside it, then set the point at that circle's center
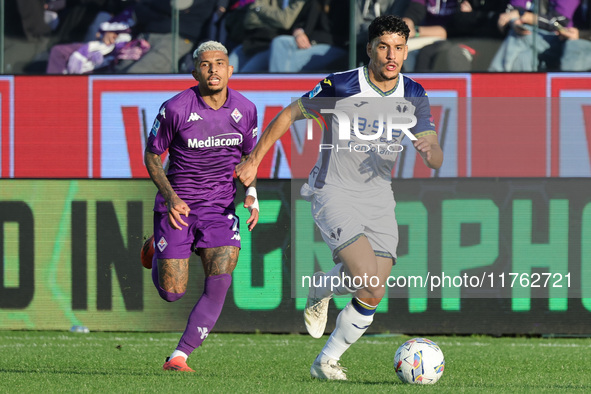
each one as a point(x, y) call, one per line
point(227, 139)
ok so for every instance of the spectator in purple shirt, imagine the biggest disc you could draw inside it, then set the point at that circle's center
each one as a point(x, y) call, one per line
point(102, 54)
point(207, 130)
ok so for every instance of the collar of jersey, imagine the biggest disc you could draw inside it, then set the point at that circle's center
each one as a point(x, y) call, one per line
point(203, 105)
point(374, 87)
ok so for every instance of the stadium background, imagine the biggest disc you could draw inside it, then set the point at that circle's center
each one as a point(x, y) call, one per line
point(512, 196)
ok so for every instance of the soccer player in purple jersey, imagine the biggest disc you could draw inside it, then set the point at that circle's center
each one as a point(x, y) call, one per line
point(207, 129)
point(354, 208)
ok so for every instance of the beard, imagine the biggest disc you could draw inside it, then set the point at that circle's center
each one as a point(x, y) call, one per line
point(214, 90)
point(388, 76)
point(382, 74)
point(209, 90)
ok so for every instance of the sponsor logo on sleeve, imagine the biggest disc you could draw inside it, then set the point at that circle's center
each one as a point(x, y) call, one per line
point(317, 89)
point(155, 127)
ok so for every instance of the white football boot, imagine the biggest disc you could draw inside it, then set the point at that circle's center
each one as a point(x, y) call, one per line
point(327, 368)
point(316, 311)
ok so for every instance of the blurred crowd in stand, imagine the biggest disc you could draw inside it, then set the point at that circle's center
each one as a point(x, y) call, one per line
point(291, 36)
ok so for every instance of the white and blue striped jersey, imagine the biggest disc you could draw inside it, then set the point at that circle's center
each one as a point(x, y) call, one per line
point(360, 163)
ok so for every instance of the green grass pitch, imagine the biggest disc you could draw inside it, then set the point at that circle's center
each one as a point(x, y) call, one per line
point(32, 361)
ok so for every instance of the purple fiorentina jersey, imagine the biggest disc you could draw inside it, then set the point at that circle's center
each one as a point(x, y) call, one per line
point(204, 145)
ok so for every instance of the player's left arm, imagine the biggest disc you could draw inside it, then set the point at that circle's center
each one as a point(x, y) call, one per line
point(251, 201)
point(430, 150)
point(427, 144)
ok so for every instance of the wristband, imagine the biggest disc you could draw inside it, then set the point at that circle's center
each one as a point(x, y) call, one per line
point(251, 191)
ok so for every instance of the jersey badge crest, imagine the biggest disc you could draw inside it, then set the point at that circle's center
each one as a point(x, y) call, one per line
point(162, 244)
point(236, 115)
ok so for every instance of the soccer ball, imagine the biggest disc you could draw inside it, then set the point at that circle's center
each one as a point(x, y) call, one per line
point(420, 361)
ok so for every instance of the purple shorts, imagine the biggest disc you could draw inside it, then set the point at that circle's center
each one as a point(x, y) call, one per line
point(208, 227)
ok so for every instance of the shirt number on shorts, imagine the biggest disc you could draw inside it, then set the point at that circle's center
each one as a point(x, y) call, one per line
point(235, 220)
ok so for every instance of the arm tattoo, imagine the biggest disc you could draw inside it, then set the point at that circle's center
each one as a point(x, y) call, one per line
point(154, 166)
point(220, 260)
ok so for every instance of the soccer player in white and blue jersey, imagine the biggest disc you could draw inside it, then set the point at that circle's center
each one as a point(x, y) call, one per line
point(351, 191)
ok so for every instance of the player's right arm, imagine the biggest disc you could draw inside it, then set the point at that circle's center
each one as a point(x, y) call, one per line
point(176, 206)
point(247, 170)
point(161, 136)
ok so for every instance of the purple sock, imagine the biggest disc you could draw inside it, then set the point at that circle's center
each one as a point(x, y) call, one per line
point(205, 313)
point(165, 295)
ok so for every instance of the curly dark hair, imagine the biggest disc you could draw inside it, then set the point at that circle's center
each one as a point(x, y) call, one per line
point(387, 24)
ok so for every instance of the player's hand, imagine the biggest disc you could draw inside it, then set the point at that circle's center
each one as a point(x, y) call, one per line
point(177, 208)
point(246, 172)
point(254, 212)
point(423, 146)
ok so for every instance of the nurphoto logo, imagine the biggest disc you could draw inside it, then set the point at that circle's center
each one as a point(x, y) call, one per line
point(364, 128)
